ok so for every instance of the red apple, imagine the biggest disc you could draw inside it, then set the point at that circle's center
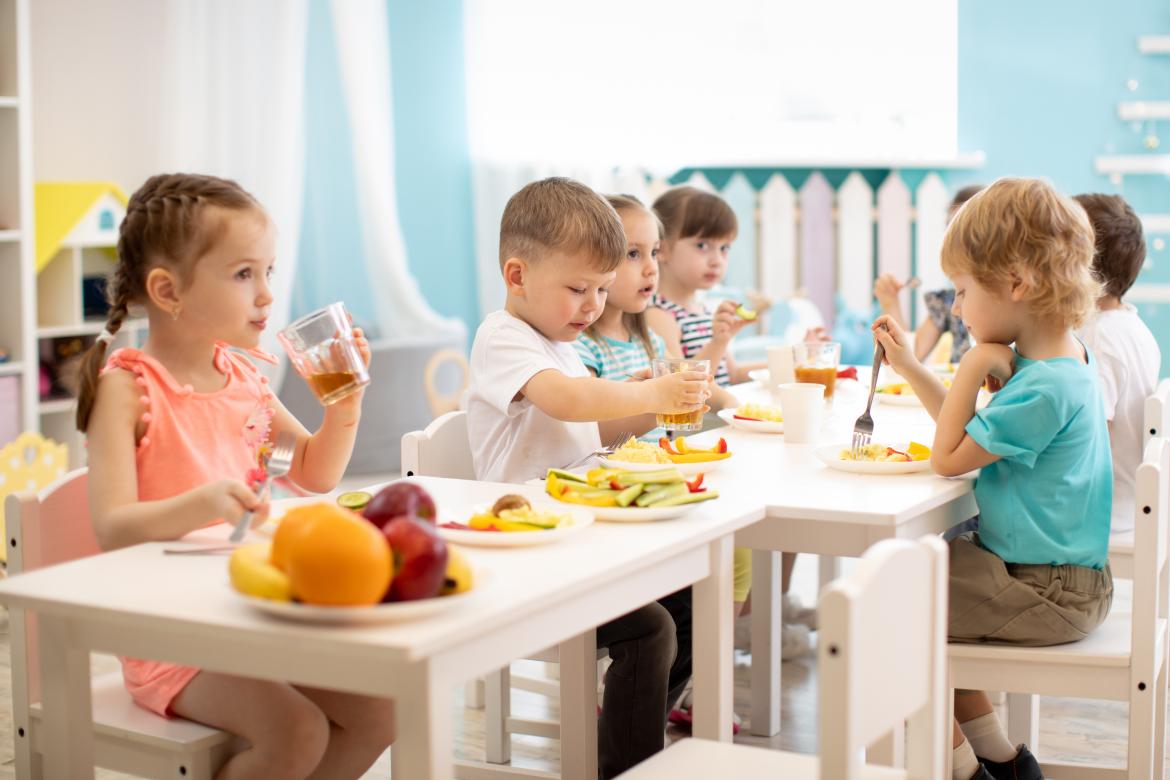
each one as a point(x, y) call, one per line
point(400, 498)
point(420, 559)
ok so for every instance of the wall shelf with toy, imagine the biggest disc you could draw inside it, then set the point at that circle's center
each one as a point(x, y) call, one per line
point(77, 234)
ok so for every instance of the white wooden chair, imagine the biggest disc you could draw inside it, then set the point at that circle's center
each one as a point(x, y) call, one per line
point(1157, 423)
point(444, 450)
point(881, 661)
point(1125, 659)
point(54, 527)
point(441, 403)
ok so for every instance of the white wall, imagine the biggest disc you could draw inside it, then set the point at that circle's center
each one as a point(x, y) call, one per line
point(97, 100)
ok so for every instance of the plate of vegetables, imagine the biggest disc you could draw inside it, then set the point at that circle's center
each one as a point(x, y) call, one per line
point(628, 496)
point(513, 521)
point(637, 455)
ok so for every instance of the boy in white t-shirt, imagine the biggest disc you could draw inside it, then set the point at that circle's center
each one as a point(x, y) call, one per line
point(533, 405)
point(1128, 359)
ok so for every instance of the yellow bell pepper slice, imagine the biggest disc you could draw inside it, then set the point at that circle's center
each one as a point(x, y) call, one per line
point(699, 457)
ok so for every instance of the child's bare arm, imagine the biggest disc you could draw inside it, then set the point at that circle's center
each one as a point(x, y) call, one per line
point(665, 325)
point(589, 399)
point(927, 387)
point(926, 339)
point(954, 451)
point(119, 518)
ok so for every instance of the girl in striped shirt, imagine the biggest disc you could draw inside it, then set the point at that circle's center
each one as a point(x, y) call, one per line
point(698, 230)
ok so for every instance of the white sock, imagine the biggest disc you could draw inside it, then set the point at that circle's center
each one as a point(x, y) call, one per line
point(964, 762)
point(988, 739)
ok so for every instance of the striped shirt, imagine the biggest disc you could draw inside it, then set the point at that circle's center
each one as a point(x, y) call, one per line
point(695, 332)
point(615, 359)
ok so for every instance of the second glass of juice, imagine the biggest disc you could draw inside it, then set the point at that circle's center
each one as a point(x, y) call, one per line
point(321, 348)
point(684, 421)
point(818, 361)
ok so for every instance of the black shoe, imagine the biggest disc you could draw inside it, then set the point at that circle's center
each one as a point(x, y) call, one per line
point(1023, 767)
point(982, 774)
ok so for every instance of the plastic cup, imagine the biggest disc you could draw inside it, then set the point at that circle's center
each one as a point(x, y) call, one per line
point(322, 349)
point(818, 361)
point(802, 404)
point(684, 421)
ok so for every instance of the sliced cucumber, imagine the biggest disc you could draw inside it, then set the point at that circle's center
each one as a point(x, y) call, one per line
point(627, 496)
point(567, 476)
point(687, 498)
point(653, 497)
point(663, 476)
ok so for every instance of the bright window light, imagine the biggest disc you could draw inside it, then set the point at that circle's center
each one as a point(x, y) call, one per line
point(672, 83)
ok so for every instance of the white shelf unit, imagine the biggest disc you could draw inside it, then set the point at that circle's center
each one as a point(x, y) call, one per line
point(1139, 110)
point(1154, 44)
point(18, 376)
point(1122, 164)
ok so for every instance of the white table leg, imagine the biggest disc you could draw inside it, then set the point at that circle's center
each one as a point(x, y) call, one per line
point(828, 569)
point(1023, 719)
point(423, 747)
point(766, 622)
point(65, 696)
point(713, 646)
point(473, 694)
point(579, 707)
point(497, 708)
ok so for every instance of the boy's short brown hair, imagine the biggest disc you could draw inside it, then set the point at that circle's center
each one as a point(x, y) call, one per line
point(688, 212)
point(1121, 246)
point(1025, 228)
point(559, 214)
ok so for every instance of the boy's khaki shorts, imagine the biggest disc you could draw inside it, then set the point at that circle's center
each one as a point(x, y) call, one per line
point(1022, 604)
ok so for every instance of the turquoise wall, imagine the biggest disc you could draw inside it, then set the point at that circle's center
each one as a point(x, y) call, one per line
point(1038, 88)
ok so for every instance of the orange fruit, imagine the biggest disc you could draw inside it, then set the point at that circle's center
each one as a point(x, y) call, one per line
point(290, 527)
point(338, 559)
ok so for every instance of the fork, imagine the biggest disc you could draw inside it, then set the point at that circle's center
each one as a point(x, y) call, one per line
point(863, 428)
point(278, 465)
point(618, 441)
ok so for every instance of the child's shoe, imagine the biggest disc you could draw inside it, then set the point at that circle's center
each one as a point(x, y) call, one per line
point(795, 612)
point(681, 715)
point(1023, 767)
point(794, 637)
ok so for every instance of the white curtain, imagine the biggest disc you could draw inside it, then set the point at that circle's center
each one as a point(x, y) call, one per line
point(234, 107)
point(363, 48)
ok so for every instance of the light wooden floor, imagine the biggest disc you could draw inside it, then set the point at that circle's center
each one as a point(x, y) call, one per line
point(1072, 730)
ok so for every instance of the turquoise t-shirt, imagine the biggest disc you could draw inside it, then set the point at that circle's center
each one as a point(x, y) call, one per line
point(621, 360)
point(1048, 499)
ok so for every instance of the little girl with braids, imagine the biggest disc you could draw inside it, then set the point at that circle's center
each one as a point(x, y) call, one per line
point(173, 430)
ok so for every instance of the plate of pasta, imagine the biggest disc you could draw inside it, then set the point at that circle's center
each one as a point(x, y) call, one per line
point(876, 458)
point(757, 418)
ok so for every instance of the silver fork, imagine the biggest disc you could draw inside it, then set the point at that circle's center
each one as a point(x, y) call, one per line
point(618, 441)
point(278, 465)
point(863, 428)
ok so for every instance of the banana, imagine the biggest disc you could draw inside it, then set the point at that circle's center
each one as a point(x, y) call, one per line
point(458, 578)
point(252, 574)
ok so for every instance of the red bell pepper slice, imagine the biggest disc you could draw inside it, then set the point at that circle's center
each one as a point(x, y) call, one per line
point(753, 419)
point(665, 444)
point(722, 446)
point(695, 486)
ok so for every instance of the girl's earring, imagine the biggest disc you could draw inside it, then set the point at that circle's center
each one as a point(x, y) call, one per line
point(175, 313)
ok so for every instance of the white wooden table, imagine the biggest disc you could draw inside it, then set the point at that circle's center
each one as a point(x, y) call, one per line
point(141, 603)
point(810, 508)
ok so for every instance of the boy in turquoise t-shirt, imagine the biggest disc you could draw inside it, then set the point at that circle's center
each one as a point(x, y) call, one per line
point(1036, 571)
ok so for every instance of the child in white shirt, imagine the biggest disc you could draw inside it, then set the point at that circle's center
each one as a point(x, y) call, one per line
point(532, 405)
point(1128, 358)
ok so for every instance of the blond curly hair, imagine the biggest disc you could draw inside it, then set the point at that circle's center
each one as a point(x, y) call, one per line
point(1023, 228)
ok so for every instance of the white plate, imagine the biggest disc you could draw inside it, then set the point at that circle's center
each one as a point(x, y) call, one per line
point(755, 426)
point(898, 400)
point(943, 369)
point(638, 514)
point(580, 518)
point(759, 376)
point(830, 455)
point(686, 469)
point(396, 612)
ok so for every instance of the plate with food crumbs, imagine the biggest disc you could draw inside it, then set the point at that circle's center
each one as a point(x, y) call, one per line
point(514, 521)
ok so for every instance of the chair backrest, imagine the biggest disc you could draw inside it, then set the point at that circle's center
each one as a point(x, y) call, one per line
point(882, 659)
point(1151, 582)
point(43, 529)
point(1157, 412)
point(30, 462)
point(443, 449)
point(443, 403)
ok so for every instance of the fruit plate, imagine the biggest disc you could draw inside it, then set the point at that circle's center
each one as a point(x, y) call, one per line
point(686, 469)
point(759, 376)
point(396, 612)
point(755, 426)
point(830, 455)
point(581, 517)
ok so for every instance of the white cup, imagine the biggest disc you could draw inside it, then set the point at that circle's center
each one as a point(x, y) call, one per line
point(802, 404)
point(781, 366)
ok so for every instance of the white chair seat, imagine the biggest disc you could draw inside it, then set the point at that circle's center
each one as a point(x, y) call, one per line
point(1107, 646)
point(700, 758)
point(116, 715)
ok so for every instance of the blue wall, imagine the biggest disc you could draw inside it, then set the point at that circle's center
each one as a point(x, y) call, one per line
point(433, 170)
point(1039, 84)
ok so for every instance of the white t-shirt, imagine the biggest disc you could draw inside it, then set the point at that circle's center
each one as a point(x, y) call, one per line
point(511, 439)
point(1128, 363)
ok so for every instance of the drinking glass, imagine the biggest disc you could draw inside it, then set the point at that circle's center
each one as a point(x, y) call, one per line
point(323, 351)
point(684, 421)
point(817, 361)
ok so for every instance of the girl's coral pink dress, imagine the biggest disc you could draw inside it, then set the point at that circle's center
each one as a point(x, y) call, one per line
point(191, 439)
